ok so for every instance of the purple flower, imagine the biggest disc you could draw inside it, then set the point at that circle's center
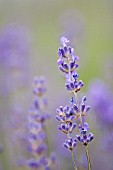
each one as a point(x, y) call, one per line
point(68, 115)
point(65, 115)
point(82, 110)
point(53, 158)
point(33, 164)
point(74, 86)
point(101, 99)
point(36, 127)
point(39, 84)
point(67, 128)
point(106, 142)
point(67, 61)
point(14, 64)
point(64, 41)
point(70, 144)
point(84, 137)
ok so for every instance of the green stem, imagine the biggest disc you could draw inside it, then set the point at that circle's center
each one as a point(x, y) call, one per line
point(76, 98)
point(72, 155)
point(77, 103)
point(74, 162)
point(88, 157)
point(47, 140)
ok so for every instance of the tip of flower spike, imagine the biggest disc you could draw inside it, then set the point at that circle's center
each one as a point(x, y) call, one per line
point(64, 41)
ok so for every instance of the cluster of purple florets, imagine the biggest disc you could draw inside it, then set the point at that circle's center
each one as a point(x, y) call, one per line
point(73, 116)
point(36, 129)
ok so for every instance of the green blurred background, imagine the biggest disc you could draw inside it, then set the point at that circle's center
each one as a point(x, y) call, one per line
point(45, 23)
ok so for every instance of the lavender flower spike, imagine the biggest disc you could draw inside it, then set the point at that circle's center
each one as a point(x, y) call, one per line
point(67, 116)
point(37, 135)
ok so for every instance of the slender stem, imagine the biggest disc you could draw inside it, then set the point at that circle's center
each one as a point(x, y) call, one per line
point(47, 140)
point(76, 98)
point(88, 157)
point(74, 162)
point(72, 155)
point(77, 103)
point(68, 60)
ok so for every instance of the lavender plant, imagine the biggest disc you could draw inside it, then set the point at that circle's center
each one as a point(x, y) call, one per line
point(37, 132)
point(101, 100)
point(72, 116)
point(14, 67)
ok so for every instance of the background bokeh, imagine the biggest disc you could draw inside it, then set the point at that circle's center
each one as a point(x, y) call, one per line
point(38, 25)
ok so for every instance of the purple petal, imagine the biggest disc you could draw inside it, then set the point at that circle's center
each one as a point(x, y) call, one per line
point(75, 108)
point(64, 41)
point(82, 107)
point(68, 87)
point(72, 85)
point(87, 108)
point(59, 61)
point(84, 99)
point(73, 144)
point(78, 137)
point(58, 118)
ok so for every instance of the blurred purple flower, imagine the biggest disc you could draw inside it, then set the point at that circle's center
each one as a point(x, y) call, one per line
point(14, 44)
point(106, 143)
point(14, 56)
point(36, 128)
point(14, 62)
point(101, 100)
